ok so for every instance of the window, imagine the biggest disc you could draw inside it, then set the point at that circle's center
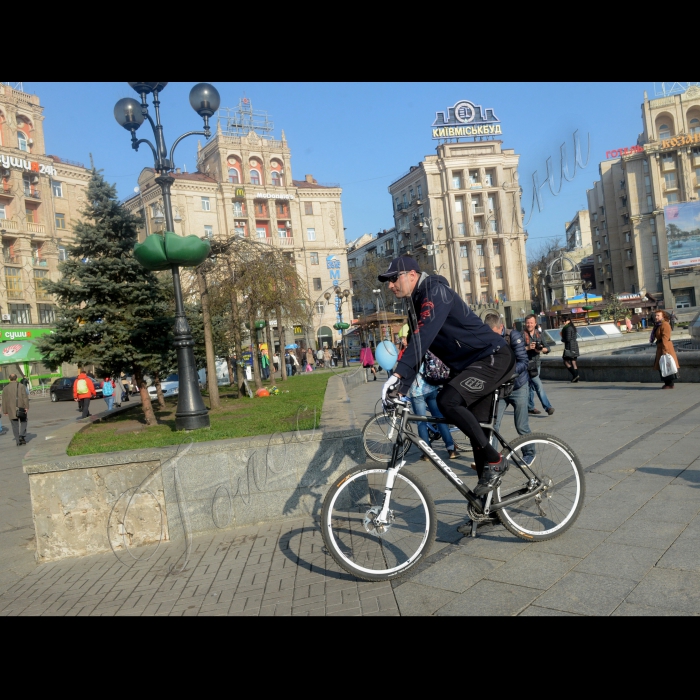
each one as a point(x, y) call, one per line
point(482, 275)
point(205, 204)
point(628, 237)
point(310, 234)
point(309, 208)
point(650, 203)
point(652, 223)
point(30, 216)
point(597, 231)
point(695, 126)
point(496, 248)
point(405, 201)
point(208, 231)
point(57, 188)
point(654, 245)
point(461, 229)
point(234, 176)
point(60, 220)
point(600, 258)
point(458, 205)
point(320, 306)
point(499, 273)
point(480, 249)
point(484, 298)
point(420, 192)
point(468, 298)
point(396, 204)
point(240, 231)
point(22, 142)
point(477, 227)
point(13, 282)
point(21, 314)
point(629, 254)
point(493, 225)
point(492, 204)
point(607, 254)
point(598, 244)
point(474, 177)
point(670, 180)
point(238, 209)
point(62, 254)
point(672, 198)
point(27, 185)
point(317, 284)
point(254, 177)
point(314, 258)
point(39, 277)
point(261, 209)
point(605, 239)
point(489, 178)
point(697, 176)
point(37, 254)
point(3, 212)
point(276, 179)
point(457, 180)
point(410, 193)
point(463, 251)
point(664, 131)
point(466, 276)
point(261, 232)
point(645, 164)
point(47, 313)
point(476, 203)
point(667, 160)
point(624, 201)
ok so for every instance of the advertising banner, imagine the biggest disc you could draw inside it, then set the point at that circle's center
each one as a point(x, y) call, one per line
point(683, 233)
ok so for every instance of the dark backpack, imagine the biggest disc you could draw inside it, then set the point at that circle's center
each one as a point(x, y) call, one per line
point(435, 371)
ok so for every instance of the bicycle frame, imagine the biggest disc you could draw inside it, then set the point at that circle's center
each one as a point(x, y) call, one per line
point(403, 434)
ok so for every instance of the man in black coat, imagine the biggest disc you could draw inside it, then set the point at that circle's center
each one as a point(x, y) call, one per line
point(479, 359)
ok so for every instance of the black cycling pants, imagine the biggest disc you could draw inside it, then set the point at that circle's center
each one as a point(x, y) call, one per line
point(466, 400)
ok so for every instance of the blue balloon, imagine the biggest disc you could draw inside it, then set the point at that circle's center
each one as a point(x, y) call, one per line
point(386, 355)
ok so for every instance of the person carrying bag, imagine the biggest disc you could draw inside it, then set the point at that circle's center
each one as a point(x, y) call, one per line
point(666, 360)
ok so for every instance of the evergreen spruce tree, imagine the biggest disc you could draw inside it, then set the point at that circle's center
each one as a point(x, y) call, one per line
point(112, 312)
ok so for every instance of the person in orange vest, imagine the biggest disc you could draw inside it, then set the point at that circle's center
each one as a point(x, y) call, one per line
point(84, 390)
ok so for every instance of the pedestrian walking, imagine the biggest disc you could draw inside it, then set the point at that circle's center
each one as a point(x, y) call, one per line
point(265, 364)
point(672, 319)
point(535, 348)
point(108, 386)
point(25, 383)
point(319, 358)
point(288, 362)
point(15, 404)
point(661, 335)
point(519, 397)
point(83, 391)
point(295, 362)
point(628, 323)
point(327, 358)
point(367, 361)
point(276, 362)
point(310, 357)
point(569, 335)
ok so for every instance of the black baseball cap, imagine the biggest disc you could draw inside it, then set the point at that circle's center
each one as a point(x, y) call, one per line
point(401, 264)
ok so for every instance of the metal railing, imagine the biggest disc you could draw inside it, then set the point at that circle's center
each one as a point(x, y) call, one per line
point(32, 194)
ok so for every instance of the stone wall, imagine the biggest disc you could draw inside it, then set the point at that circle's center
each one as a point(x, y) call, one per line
point(87, 504)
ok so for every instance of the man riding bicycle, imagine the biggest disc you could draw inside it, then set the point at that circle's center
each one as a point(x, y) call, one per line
point(479, 360)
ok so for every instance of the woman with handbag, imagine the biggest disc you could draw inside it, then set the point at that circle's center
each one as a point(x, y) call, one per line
point(15, 404)
point(367, 360)
point(571, 352)
point(666, 360)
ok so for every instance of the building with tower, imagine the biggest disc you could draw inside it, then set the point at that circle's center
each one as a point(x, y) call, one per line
point(244, 187)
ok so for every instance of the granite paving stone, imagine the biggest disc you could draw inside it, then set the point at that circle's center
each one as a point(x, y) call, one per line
point(490, 598)
point(534, 569)
point(620, 561)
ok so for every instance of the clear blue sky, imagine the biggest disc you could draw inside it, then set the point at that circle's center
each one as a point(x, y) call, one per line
point(365, 135)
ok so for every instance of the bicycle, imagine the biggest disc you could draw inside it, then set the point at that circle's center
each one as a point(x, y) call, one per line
point(378, 522)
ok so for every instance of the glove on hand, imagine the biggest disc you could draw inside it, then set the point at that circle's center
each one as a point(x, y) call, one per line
point(390, 389)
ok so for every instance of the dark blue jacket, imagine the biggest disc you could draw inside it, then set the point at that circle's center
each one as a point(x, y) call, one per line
point(517, 344)
point(442, 323)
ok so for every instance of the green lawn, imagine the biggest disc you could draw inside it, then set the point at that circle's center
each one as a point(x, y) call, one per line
point(300, 408)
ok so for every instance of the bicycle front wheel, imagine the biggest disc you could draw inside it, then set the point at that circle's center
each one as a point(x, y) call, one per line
point(553, 510)
point(379, 436)
point(357, 544)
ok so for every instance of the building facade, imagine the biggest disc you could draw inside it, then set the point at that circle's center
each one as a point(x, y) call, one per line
point(458, 213)
point(40, 200)
point(244, 187)
point(626, 204)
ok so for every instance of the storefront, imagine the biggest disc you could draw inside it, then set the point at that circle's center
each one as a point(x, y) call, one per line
point(19, 355)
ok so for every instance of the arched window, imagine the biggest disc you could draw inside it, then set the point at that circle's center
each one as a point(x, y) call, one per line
point(277, 180)
point(254, 177)
point(22, 142)
point(664, 131)
point(695, 126)
point(233, 176)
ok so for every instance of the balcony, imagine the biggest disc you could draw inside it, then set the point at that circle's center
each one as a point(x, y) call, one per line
point(39, 262)
point(8, 225)
point(477, 211)
point(629, 263)
point(420, 243)
point(665, 167)
point(401, 207)
point(10, 259)
point(35, 228)
point(34, 193)
point(285, 242)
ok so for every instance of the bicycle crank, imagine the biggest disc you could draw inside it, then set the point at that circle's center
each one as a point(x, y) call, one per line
point(373, 526)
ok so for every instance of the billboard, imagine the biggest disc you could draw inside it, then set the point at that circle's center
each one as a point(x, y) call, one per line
point(683, 233)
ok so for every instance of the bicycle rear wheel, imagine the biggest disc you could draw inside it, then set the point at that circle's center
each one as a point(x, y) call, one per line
point(379, 435)
point(552, 511)
point(353, 540)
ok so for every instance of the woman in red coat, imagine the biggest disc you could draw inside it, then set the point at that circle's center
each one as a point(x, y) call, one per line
point(661, 335)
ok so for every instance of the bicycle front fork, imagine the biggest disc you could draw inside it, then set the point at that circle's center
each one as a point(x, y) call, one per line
point(391, 474)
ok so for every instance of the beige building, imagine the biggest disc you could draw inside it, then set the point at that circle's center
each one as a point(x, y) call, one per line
point(458, 213)
point(244, 187)
point(40, 200)
point(627, 203)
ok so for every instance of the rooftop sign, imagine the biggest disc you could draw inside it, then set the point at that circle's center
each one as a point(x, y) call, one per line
point(465, 119)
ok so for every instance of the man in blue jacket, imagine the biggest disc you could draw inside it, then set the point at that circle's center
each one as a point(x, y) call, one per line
point(518, 398)
point(479, 359)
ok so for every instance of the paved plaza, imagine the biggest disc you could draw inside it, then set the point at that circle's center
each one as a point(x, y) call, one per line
point(633, 550)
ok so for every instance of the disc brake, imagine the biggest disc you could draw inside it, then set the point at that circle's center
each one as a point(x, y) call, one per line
point(373, 526)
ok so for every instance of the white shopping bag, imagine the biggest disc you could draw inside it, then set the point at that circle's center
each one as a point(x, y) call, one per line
point(667, 365)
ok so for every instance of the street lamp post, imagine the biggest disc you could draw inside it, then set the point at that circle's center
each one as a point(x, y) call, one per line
point(586, 286)
point(341, 296)
point(191, 412)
